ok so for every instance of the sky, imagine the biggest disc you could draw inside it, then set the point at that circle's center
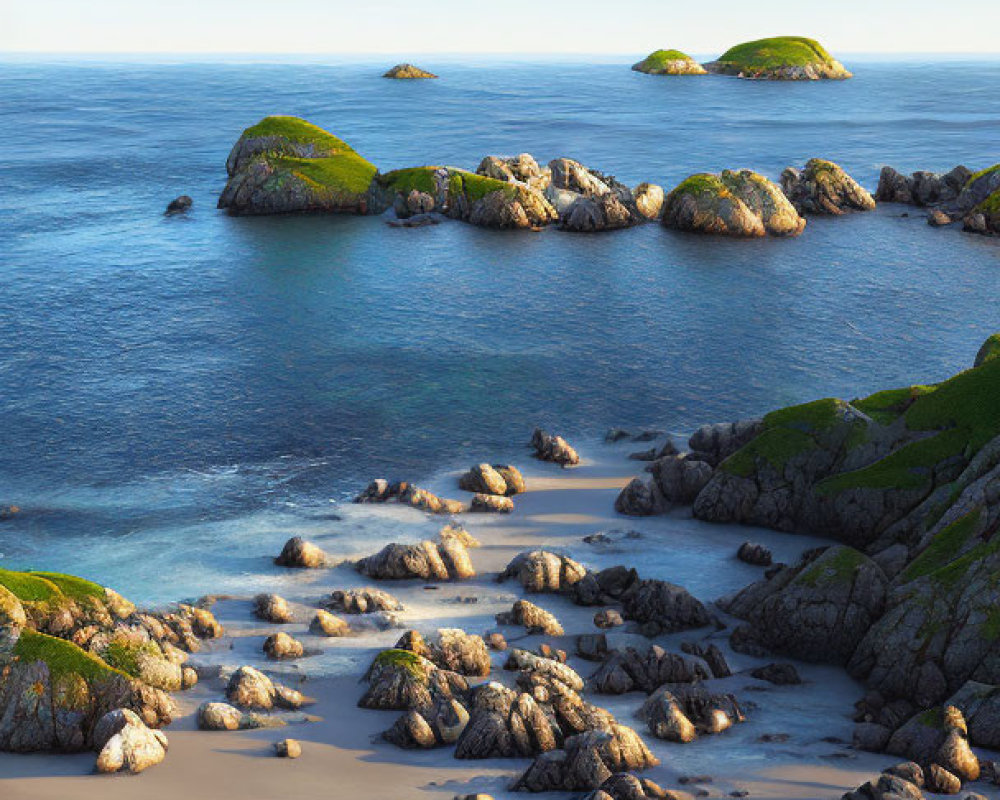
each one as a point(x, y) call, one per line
point(401, 27)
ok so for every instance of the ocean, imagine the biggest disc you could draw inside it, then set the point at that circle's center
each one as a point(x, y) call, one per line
point(180, 394)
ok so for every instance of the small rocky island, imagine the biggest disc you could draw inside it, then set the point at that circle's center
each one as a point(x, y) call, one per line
point(669, 62)
point(958, 195)
point(408, 72)
point(780, 58)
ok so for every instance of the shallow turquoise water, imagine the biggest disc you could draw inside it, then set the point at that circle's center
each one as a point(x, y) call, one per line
point(180, 385)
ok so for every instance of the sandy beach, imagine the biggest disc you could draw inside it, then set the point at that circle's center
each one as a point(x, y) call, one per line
point(341, 755)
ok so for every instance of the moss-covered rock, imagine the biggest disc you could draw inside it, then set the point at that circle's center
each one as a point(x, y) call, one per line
point(739, 203)
point(287, 165)
point(669, 62)
point(822, 187)
point(408, 72)
point(989, 351)
point(787, 58)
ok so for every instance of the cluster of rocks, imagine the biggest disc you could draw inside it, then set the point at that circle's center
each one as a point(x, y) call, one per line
point(957, 195)
point(427, 560)
point(382, 491)
point(553, 448)
point(909, 481)
point(493, 486)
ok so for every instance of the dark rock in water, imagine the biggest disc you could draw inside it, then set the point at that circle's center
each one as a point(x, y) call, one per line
point(616, 435)
point(742, 204)
point(681, 712)
point(677, 480)
point(778, 674)
point(755, 554)
point(587, 761)
point(822, 187)
point(608, 618)
point(645, 455)
point(408, 71)
point(415, 221)
point(712, 656)
point(818, 610)
point(592, 646)
point(871, 736)
point(921, 188)
point(937, 218)
point(179, 204)
point(553, 448)
point(8, 512)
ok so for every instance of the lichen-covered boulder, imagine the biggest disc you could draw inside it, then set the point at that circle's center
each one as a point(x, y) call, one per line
point(287, 165)
point(732, 203)
point(818, 610)
point(823, 187)
point(408, 72)
point(669, 62)
point(426, 560)
point(532, 617)
point(403, 680)
point(297, 552)
point(587, 761)
point(779, 58)
point(553, 448)
point(542, 571)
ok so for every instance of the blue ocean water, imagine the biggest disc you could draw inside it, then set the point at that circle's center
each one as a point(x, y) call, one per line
point(182, 387)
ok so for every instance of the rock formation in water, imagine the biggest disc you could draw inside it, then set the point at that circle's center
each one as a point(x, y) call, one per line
point(959, 195)
point(822, 187)
point(669, 62)
point(732, 204)
point(408, 72)
point(780, 58)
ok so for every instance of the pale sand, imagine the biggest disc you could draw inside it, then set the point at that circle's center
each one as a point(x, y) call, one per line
point(339, 757)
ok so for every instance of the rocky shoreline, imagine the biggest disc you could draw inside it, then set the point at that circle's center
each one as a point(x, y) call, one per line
point(285, 165)
point(907, 480)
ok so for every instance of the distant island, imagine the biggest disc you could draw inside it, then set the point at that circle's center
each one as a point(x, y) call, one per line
point(780, 58)
point(408, 72)
point(669, 62)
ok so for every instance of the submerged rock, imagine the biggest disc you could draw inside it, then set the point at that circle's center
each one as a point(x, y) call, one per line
point(754, 554)
point(822, 187)
point(179, 204)
point(733, 204)
point(408, 71)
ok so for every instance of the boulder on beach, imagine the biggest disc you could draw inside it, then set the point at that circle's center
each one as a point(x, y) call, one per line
point(669, 62)
point(626, 786)
point(214, 716)
point(402, 680)
point(363, 601)
point(125, 744)
point(272, 608)
point(297, 552)
point(541, 571)
point(742, 204)
point(779, 58)
point(423, 729)
point(287, 748)
point(553, 448)
point(629, 670)
point(282, 646)
point(324, 623)
point(249, 688)
point(823, 187)
point(286, 165)
point(504, 723)
point(408, 72)
point(450, 649)
point(531, 617)
point(426, 560)
point(491, 504)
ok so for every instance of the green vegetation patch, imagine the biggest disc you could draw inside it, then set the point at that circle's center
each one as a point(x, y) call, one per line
point(702, 183)
point(944, 547)
point(63, 658)
point(124, 654)
point(478, 186)
point(788, 432)
point(299, 131)
point(29, 587)
point(346, 173)
point(779, 51)
point(991, 205)
point(982, 174)
point(660, 59)
point(402, 659)
point(989, 351)
point(887, 406)
point(406, 180)
point(836, 566)
point(72, 586)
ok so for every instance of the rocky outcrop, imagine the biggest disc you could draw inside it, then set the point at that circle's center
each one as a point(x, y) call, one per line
point(629, 670)
point(921, 188)
point(754, 554)
point(426, 560)
point(669, 62)
point(212, 716)
point(250, 688)
point(506, 724)
point(451, 649)
point(282, 646)
point(587, 760)
point(297, 552)
point(403, 680)
point(272, 608)
point(286, 165)
point(780, 58)
point(818, 610)
point(516, 169)
point(532, 618)
point(822, 187)
point(324, 623)
point(363, 601)
point(381, 491)
point(732, 203)
point(408, 72)
point(125, 744)
point(553, 448)
point(542, 571)
point(680, 713)
point(424, 729)
point(661, 607)
point(625, 786)
point(649, 198)
point(937, 738)
point(491, 504)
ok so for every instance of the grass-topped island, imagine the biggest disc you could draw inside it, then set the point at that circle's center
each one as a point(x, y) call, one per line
point(782, 58)
point(669, 62)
